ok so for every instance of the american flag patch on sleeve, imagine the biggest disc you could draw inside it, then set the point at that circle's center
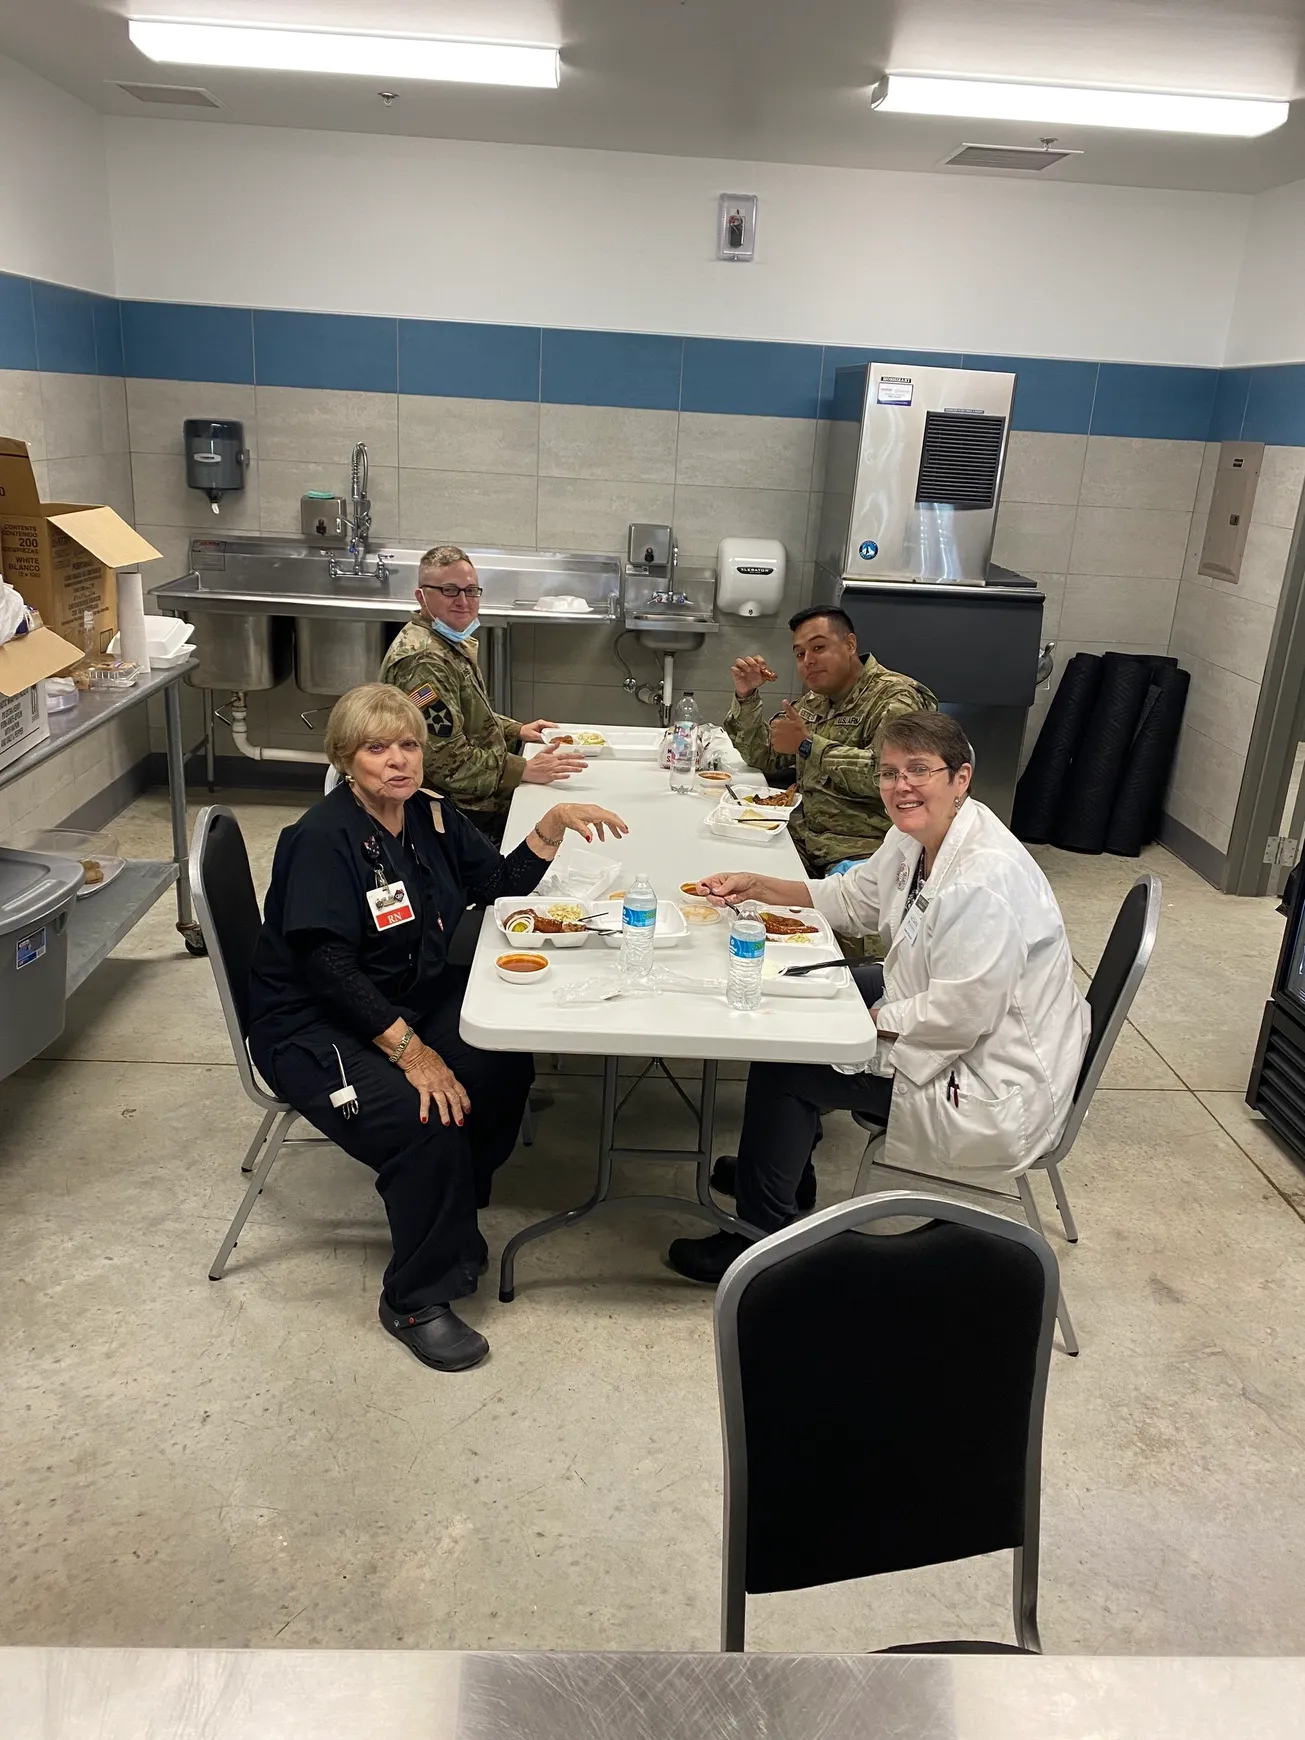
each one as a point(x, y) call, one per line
point(424, 696)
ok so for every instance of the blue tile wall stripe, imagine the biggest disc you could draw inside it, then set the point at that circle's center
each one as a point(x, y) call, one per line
point(1275, 405)
point(67, 330)
point(1154, 403)
point(1229, 412)
point(751, 378)
point(634, 370)
point(350, 352)
point(177, 341)
point(1052, 396)
point(17, 323)
point(465, 360)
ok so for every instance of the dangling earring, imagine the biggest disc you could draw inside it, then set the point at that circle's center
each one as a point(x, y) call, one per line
point(956, 803)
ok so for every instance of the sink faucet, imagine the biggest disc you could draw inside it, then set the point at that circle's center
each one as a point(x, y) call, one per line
point(360, 508)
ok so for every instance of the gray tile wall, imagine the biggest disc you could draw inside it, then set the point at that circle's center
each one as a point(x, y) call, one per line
point(1221, 634)
point(76, 429)
point(475, 471)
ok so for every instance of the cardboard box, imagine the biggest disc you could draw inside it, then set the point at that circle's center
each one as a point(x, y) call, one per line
point(25, 663)
point(61, 556)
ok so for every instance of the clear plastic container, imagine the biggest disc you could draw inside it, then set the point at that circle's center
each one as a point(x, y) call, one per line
point(112, 675)
point(97, 853)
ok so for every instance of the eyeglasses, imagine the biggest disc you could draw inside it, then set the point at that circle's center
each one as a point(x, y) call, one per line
point(917, 773)
point(453, 591)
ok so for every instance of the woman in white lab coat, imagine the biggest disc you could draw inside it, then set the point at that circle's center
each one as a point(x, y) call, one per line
point(981, 1026)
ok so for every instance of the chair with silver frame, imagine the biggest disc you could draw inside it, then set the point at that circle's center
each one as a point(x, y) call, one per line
point(882, 1401)
point(1110, 995)
point(227, 909)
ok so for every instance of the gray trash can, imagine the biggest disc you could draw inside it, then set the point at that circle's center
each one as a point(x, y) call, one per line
point(36, 896)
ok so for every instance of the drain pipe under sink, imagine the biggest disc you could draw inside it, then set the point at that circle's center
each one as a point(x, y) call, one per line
point(668, 684)
point(238, 725)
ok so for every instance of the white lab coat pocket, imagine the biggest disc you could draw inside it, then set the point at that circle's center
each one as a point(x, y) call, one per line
point(953, 1126)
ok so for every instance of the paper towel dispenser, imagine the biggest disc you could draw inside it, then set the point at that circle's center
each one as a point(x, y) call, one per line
point(750, 575)
point(216, 456)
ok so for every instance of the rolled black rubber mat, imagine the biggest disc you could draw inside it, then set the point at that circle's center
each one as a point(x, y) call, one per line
point(1094, 779)
point(1135, 819)
point(1042, 784)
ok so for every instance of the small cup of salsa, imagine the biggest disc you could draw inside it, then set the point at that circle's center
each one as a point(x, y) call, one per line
point(522, 967)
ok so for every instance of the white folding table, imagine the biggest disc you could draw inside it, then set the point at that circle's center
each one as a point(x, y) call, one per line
point(670, 842)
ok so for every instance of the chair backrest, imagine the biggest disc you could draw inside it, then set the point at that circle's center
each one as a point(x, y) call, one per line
point(882, 1398)
point(227, 909)
point(1115, 983)
point(333, 778)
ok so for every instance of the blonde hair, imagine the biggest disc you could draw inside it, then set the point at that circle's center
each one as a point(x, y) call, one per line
point(442, 556)
point(373, 712)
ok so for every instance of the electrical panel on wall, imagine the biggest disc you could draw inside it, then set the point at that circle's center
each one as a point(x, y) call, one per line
point(1230, 509)
point(736, 226)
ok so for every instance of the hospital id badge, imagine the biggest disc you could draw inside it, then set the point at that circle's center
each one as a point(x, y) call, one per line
point(911, 923)
point(390, 905)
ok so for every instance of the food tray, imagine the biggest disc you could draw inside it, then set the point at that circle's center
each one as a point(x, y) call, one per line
point(826, 984)
point(672, 926)
point(800, 946)
point(589, 750)
point(744, 833)
point(86, 847)
point(508, 904)
point(780, 812)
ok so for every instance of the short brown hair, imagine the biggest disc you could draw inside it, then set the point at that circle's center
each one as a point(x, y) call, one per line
point(442, 556)
point(366, 714)
point(930, 733)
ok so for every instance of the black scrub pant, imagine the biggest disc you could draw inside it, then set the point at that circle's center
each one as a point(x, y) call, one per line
point(781, 1121)
point(431, 1178)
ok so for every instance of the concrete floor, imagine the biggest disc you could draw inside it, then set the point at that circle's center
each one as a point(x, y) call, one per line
point(253, 1463)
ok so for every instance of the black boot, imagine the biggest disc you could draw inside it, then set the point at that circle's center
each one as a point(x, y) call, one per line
point(706, 1259)
point(724, 1175)
point(437, 1336)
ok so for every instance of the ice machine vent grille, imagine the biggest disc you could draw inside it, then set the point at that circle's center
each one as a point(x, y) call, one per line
point(185, 96)
point(1028, 159)
point(960, 459)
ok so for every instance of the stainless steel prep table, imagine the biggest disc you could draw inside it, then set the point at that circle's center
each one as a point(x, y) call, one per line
point(100, 922)
point(323, 1694)
point(282, 577)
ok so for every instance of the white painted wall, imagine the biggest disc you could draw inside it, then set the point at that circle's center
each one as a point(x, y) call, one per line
point(1268, 320)
point(267, 216)
point(54, 209)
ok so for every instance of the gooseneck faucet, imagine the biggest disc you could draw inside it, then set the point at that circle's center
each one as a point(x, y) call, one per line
point(360, 508)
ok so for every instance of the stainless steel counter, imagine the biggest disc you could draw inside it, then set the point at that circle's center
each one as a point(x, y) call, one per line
point(282, 577)
point(105, 1694)
point(268, 582)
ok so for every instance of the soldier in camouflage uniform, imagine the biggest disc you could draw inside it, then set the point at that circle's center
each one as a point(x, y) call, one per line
point(823, 744)
point(472, 753)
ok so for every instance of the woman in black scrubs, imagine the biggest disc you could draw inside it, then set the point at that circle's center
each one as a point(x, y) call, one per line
point(354, 1008)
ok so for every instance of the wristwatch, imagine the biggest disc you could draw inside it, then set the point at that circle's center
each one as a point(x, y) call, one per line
point(804, 748)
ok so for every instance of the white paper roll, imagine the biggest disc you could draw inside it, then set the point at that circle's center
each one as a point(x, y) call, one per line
point(133, 641)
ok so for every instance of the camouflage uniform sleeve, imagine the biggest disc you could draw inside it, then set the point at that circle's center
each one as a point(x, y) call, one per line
point(855, 772)
point(511, 728)
point(748, 730)
point(464, 771)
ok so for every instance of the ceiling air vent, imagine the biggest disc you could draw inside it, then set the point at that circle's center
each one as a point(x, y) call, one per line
point(1028, 159)
point(185, 96)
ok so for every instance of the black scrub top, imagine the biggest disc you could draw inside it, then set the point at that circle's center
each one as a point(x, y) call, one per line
point(324, 867)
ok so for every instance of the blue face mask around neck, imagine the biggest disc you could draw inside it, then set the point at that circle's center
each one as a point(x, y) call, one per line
point(456, 635)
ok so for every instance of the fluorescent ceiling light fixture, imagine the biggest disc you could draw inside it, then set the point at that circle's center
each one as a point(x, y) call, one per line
point(1076, 105)
point(366, 53)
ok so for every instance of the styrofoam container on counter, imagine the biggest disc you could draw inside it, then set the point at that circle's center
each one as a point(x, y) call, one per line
point(780, 812)
point(672, 926)
point(506, 905)
point(821, 984)
point(596, 744)
point(727, 827)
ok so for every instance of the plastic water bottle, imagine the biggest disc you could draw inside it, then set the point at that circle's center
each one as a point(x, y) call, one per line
point(638, 922)
point(747, 953)
point(684, 743)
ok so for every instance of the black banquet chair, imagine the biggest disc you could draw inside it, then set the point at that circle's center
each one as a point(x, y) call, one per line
point(1110, 995)
point(227, 909)
point(882, 1400)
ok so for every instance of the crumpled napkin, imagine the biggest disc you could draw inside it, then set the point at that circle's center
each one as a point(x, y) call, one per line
point(14, 617)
